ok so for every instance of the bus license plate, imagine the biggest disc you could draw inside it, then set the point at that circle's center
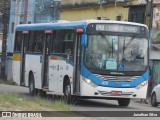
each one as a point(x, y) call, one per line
point(116, 93)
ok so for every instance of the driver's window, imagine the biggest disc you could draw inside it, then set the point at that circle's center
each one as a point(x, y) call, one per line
point(102, 51)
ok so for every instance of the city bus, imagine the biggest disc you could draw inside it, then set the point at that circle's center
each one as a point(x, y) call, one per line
point(96, 59)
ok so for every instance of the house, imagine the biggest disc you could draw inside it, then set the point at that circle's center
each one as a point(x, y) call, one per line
point(73, 10)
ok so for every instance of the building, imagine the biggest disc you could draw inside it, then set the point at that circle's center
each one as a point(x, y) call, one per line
point(27, 12)
point(137, 10)
point(155, 43)
point(31, 11)
point(124, 10)
point(72, 10)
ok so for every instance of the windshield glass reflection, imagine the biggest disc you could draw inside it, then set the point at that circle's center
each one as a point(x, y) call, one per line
point(121, 53)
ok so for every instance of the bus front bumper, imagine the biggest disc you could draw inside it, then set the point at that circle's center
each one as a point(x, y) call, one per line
point(89, 90)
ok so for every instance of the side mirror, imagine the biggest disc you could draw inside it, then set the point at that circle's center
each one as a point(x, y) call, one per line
point(84, 40)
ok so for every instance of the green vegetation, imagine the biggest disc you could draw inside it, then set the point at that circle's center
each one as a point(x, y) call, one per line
point(60, 105)
point(157, 37)
point(1, 4)
point(8, 82)
point(15, 102)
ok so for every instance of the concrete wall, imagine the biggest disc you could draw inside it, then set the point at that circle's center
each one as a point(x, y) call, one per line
point(10, 33)
point(13, 15)
point(107, 12)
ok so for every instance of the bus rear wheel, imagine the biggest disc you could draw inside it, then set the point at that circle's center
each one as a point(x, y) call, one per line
point(67, 92)
point(124, 101)
point(32, 89)
point(42, 93)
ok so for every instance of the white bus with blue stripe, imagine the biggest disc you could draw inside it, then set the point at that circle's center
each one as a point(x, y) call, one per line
point(88, 59)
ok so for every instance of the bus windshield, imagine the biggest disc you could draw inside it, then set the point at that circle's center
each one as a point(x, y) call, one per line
point(120, 53)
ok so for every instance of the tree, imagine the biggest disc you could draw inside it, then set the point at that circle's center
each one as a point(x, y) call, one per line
point(1, 5)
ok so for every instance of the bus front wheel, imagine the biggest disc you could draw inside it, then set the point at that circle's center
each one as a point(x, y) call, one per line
point(123, 101)
point(154, 100)
point(32, 89)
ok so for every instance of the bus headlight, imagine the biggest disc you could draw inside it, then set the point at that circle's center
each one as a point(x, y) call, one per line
point(141, 85)
point(88, 81)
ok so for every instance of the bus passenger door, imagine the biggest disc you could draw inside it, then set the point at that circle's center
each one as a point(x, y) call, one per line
point(45, 57)
point(24, 43)
point(77, 64)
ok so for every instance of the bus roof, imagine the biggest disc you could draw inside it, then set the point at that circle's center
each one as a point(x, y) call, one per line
point(68, 24)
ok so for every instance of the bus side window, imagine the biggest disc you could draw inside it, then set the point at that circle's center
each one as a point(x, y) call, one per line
point(57, 43)
point(48, 40)
point(26, 39)
point(31, 41)
point(68, 42)
point(38, 41)
point(35, 41)
point(18, 41)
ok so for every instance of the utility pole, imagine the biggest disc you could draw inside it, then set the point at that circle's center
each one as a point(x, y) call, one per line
point(149, 13)
point(5, 19)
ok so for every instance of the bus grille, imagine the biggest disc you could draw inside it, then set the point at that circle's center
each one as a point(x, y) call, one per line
point(117, 78)
point(110, 94)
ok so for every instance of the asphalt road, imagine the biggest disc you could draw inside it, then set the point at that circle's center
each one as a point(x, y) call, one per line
point(89, 106)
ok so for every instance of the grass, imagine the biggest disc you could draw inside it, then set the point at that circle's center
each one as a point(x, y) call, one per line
point(8, 82)
point(60, 105)
point(15, 102)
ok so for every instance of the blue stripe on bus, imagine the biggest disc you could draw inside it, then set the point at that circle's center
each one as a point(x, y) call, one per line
point(98, 81)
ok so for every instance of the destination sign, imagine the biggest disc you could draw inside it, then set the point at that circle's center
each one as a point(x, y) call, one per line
point(118, 28)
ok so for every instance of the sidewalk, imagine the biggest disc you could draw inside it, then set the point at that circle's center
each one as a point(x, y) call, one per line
point(144, 101)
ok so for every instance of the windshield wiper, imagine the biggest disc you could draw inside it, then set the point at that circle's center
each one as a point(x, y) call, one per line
point(125, 47)
point(104, 37)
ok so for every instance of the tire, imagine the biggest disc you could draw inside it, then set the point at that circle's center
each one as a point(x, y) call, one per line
point(124, 102)
point(42, 93)
point(32, 89)
point(67, 93)
point(154, 100)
